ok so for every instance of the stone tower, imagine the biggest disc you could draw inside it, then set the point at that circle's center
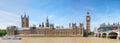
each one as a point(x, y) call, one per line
point(82, 28)
point(52, 26)
point(11, 30)
point(74, 27)
point(25, 21)
point(88, 22)
point(47, 22)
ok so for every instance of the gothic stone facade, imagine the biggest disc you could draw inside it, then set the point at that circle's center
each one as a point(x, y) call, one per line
point(48, 29)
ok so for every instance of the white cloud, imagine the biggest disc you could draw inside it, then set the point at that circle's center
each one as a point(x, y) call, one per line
point(50, 16)
point(8, 19)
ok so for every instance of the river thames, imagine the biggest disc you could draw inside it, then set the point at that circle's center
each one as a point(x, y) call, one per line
point(61, 40)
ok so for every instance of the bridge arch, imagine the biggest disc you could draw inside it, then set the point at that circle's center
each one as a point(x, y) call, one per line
point(95, 35)
point(104, 35)
point(99, 35)
point(113, 35)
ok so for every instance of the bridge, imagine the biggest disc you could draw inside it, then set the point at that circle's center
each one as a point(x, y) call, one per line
point(109, 34)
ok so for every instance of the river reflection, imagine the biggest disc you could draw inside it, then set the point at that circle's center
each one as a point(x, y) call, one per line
point(62, 40)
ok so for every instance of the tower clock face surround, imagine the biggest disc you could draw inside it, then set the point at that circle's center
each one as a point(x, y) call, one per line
point(88, 18)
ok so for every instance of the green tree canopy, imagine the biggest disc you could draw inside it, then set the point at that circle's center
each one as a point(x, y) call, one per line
point(2, 32)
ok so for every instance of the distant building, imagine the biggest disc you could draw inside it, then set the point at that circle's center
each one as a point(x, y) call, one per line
point(104, 27)
point(48, 29)
point(108, 30)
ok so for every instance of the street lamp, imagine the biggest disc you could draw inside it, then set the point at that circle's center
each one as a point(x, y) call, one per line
point(118, 30)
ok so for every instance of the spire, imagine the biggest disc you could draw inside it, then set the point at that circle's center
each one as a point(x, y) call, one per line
point(24, 14)
point(42, 24)
point(21, 15)
point(69, 24)
point(39, 25)
point(47, 19)
point(88, 13)
point(47, 22)
point(73, 24)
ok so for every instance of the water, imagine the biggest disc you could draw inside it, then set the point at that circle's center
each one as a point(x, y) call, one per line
point(62, 40)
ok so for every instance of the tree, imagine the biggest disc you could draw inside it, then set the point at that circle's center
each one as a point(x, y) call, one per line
point(2, 32)
point(90, 33)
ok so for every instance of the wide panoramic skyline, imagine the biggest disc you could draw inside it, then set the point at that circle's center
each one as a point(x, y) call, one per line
point(59, 12)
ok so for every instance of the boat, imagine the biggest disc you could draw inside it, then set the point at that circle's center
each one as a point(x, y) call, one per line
point(11, 38)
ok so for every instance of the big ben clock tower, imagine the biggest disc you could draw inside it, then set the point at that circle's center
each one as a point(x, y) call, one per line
point(88, 22)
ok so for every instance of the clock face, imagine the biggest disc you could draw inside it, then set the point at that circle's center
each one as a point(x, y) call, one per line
point(88, 18)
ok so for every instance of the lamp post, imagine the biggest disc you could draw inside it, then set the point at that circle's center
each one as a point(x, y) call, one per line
point(118, 31)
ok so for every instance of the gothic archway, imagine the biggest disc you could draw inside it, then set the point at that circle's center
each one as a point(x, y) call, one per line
point(104, 35)
point(112, 35)
point(99, 35)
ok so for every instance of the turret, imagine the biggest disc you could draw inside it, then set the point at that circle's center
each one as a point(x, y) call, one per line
point(74, 25)
point(47, 22)
point(52, 26)
point(42, 24)
point(24, 20)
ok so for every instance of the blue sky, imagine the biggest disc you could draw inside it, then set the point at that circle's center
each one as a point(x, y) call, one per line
point(60, 12)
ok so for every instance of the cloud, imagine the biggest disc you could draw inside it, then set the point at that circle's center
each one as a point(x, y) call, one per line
point(50, 16)
point(8, 19)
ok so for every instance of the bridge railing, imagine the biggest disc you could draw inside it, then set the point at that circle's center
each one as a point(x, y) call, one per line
point(110, 31)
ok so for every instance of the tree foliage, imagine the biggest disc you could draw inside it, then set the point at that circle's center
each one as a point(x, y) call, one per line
point(2, 32)
point(90, 33)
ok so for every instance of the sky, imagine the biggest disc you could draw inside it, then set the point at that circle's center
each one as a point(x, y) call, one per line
point(59, 12)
